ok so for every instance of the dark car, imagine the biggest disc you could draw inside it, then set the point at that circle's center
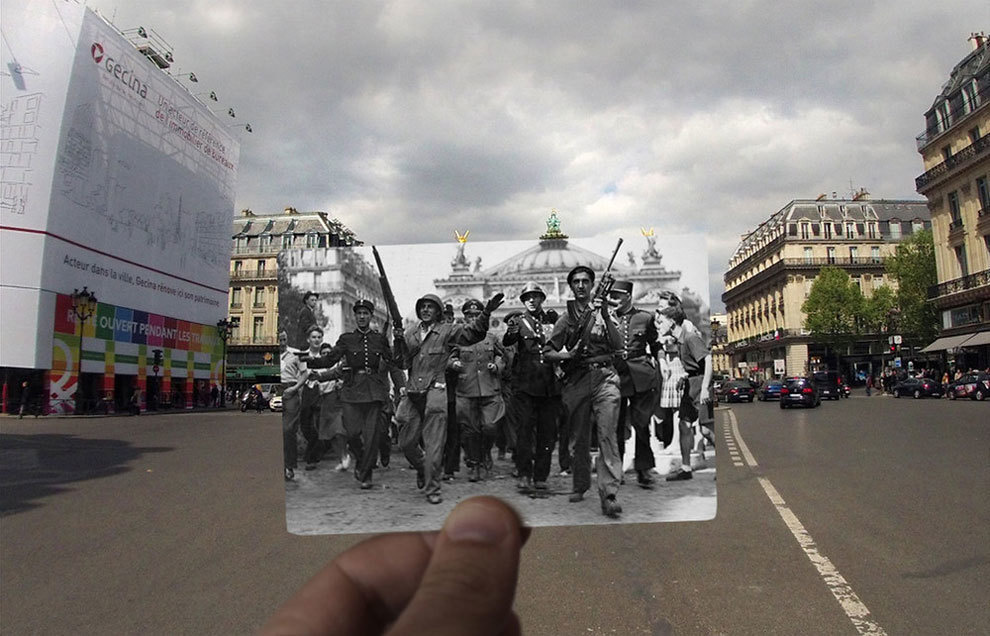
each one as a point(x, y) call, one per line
point(918, 388)
point(975, 386)
point(738, 391)
point(800, 392)
point(770, 390)
point(830, 384)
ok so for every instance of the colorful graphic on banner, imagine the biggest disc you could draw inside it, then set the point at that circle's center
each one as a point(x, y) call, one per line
point(121, 341)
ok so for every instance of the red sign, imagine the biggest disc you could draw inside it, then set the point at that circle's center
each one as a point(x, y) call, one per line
point(155, 368)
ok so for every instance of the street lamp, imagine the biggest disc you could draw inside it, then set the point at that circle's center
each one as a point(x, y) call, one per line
point(223, 331)
point(83, 308)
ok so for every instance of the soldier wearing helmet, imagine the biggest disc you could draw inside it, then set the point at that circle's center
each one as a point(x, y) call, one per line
point(422, 413)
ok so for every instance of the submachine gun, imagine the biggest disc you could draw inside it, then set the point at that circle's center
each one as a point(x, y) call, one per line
point(586, 318)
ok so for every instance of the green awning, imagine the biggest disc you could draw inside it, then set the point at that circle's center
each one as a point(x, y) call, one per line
point(252, 372)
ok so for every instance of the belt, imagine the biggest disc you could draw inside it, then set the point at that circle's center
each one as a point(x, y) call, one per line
point(598, 364)
point(363, 371)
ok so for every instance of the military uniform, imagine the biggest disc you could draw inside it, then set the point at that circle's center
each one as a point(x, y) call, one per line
point(638, 381)
point(479, 398)
point(367, 359)
point(536, 396)
point(422, 413)
point(590, 394)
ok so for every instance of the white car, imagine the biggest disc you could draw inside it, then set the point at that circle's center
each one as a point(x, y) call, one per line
point(275, 403)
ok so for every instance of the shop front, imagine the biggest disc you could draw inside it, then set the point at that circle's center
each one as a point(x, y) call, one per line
point(128, 359)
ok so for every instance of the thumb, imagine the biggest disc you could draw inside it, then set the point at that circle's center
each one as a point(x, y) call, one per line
point(469, 585)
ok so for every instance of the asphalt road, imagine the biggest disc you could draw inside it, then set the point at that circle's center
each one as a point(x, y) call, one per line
point(174, 524)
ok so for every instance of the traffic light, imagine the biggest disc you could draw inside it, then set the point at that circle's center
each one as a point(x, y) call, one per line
point(158, 357)
point(893, 348)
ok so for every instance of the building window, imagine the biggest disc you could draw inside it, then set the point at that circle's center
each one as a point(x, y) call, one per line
point(895, 230)
point(970, 96)
point(986, 245)
point(830, 255)
point(946, 153)
point(311, 239)
point(261, 267)
point(266, 242)
point(983, 192)
point(286, 241)
point(792, 229)
point(805, 230)
point(917, 225)
point(235, 328)
point(827, 230)
point(961, 259)
point(942, 116)
point(850, 230)
point(875, 254)
point(259, 328)
point(259, 296)
point(877, 282)
point(240, 243)
point(807, 255)
point(974, 134)
point(235, 296)
point(954, 205)
point(237, 266)
point(853, 254)
point(871, 229)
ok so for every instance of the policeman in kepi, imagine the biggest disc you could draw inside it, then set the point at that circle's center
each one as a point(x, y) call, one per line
point(536, 389)
point(638, 377)
point(367, 360)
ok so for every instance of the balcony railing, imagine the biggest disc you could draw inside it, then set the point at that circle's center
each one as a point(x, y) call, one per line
point(978, 279)
point(249, 274)
point(967, 154)
point(273, 248)
point(248, 340)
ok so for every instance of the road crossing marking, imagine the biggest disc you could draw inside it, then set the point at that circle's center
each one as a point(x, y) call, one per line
point(850, 603)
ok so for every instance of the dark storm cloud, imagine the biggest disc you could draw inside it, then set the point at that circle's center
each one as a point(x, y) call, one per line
point(409, 119)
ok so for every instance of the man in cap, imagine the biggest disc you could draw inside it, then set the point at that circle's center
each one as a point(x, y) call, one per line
point(585, 338)
point(294, 376)
point(696, 360)
point(536, 389)
point(422, 413)
point(638, 379)
point(367, 358)
point(506, 429)
point(479, 398)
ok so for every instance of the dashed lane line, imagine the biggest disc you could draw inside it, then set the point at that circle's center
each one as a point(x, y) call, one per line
point(850, 603)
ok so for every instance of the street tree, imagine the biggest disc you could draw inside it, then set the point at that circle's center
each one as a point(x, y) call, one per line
point(877, 310)
point(833, 310)
point(913, 267)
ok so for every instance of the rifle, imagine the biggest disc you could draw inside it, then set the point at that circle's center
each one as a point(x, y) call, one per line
point(398, 333)
point(579, 336)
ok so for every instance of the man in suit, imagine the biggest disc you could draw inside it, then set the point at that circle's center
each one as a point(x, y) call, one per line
point(422, 413)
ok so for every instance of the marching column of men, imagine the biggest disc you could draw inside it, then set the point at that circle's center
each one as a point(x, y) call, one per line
point(595, 368)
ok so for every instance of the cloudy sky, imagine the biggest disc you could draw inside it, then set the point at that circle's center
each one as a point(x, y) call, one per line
point(408, 120)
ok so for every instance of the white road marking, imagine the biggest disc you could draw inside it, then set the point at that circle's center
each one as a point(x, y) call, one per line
point(854, 608)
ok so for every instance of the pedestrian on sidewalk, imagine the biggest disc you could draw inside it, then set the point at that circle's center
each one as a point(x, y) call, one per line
point(869, 384)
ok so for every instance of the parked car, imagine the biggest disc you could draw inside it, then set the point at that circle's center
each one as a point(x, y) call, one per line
point(800, 391)
point(770, 390)
point(275, 403)
point(829, 384)
point(918, 388)
point(975, 386)
point(738, 391)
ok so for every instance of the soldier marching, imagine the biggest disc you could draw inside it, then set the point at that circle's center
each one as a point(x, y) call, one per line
point(593, 375)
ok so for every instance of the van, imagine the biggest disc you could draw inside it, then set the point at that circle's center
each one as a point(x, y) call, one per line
point(829, 384)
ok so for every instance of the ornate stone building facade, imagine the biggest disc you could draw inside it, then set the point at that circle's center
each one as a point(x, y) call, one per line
point(955, 148)
point(252, 350)
point(771, 272)
point(547, 263)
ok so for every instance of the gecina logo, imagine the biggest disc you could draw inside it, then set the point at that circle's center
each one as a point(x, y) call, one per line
point(125, 75)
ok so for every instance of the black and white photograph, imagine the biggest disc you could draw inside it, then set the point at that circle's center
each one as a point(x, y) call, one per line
point(564, 375)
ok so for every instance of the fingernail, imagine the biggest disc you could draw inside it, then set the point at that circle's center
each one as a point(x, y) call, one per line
point(476, 523)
